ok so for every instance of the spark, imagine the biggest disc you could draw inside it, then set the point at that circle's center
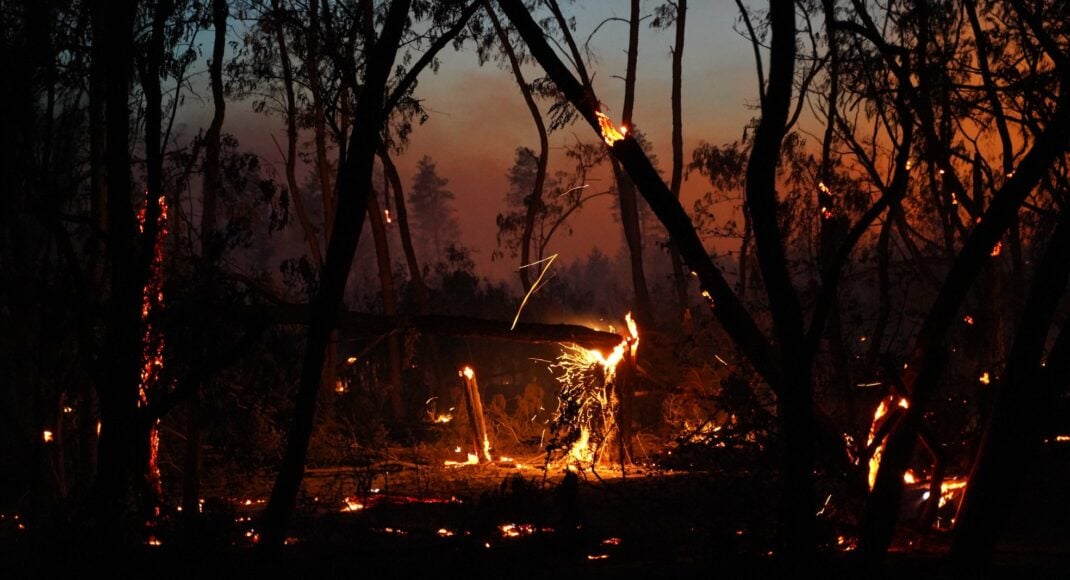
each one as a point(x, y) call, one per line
point(47, 436)
point(985, 378)
point(584, 186)
point(549, 262)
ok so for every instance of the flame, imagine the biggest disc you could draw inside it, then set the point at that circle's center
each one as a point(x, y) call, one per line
point(47, 436)
point(468, 373)
point(610, 134)
point(1062, 438)
point(486, 448)
point(909, 477)
point(588, 409)
point(997, 249)
point(878, 416)
point(949, 489)
point(387, 214)
point(443, 418)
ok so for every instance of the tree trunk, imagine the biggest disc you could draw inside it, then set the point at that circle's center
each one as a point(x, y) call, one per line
point(386, 286)
point(122, 354)
point(679, 276)
point(629, 204)
point(354, 188)
point(533, 201)
point(795, 399)
point(212, 186)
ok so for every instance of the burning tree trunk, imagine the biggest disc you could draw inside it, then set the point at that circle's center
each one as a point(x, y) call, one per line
point(126, 439)
point(474, 405)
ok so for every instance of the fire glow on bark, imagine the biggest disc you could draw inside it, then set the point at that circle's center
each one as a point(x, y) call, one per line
point(152, 345)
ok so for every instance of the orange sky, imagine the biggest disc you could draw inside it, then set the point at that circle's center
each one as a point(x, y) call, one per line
point(478, 118)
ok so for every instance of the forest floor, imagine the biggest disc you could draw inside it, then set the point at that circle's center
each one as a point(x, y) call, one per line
point(411, 516)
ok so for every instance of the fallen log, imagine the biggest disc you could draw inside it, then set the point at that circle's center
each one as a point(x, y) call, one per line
point(374, 325)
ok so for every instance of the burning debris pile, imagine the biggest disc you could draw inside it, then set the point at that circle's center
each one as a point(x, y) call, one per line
point(588, 418)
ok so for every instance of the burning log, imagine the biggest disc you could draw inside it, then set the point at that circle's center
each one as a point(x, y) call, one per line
point(461, 326)
point(474, 404)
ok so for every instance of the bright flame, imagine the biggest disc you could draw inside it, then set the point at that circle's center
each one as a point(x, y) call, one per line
point(588, 409)
point(609, 133)
point(878, 416)
point(909, 477)
point(468, 373)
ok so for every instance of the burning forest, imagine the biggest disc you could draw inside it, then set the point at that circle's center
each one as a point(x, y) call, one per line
point(411, 288)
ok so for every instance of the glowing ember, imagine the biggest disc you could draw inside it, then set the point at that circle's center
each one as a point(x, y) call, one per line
point(985, 378)
point(597, 556)
point(153, 541)
point(152, 345)
point(909, 477)
point(352, 505)
point(387, 214)
point(997, 249)
point(468, 373)
point(473, 459)
point(1062, 438)
point(609, 133)
point(968, 319)
point(351, 360)
point(47, 436)
point(444, 533)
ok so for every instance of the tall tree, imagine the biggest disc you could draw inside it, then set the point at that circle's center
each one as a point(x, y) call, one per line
point(354, 187)
point(433, 215)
